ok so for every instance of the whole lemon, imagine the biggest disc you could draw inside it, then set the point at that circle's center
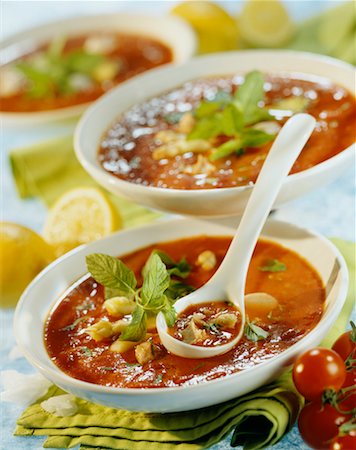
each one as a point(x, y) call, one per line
point(23, 254)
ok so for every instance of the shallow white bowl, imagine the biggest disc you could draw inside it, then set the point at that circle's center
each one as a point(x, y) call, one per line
point(169, 30)
point(44, 291)
point(208, 202)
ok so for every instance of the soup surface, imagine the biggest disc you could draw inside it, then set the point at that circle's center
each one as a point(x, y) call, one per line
point(274, 270)
point(76, 70)
point(171, 141)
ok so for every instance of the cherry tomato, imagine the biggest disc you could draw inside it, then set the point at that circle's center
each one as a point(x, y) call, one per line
point(347, 442)
point(318, 424)
point(316, 370)
point(346, 343)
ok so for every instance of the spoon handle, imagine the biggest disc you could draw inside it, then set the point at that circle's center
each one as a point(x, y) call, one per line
point(281, 157)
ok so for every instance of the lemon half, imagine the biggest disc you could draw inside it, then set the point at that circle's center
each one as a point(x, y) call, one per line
point(265, 23)
point(80, 216)
point(216, 29)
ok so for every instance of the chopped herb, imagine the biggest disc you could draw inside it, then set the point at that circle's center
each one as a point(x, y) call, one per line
point(229, 303)
point(198, 366)
point(233, 118)
point(213, 327)
point(273, 265)
point(74, 324)
point(86, 305)
point(173, 117)
point(253, 332)
point(132, 364)
point(86, 351)
point(158, 379)
point(180, 269)
point(107, 368)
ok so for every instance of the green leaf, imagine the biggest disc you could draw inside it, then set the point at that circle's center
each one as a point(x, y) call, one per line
point(251, 91)
point(112, 273)
point(273, 265)
point(206, 108)
point(206, 128)
point(170, 313)
point(177, 289)
point(232, 120)
point(226, 149)
point(253, 332)
point(74, 324)
point(180, 269)
point(255, 115)
point(156, 281)
point(82, 62)
point(136, 330)
point(254, 138)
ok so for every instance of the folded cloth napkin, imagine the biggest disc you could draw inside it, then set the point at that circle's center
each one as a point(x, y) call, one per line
point(50, 168)
point(258, 420)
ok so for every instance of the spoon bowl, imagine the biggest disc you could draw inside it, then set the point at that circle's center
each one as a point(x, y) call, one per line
point(229, 281)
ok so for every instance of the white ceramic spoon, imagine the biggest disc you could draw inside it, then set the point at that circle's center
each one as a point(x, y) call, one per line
point(228, 283)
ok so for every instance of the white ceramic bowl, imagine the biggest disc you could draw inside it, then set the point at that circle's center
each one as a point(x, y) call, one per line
point(169, 30)
point(208, 202)
point(44, 291)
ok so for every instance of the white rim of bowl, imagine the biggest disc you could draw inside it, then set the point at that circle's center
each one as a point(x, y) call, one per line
point(56, 374)
point(113, 180)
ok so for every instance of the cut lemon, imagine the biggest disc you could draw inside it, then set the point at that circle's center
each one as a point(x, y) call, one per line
point(265, 23)
point(23, 253)
point(80, 216)
point(215, 28)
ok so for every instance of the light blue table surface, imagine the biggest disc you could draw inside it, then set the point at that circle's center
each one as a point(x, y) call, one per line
point(330, 210)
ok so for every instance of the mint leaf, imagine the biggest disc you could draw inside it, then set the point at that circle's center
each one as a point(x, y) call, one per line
point(250, 92)
point(177, 289)
point(273, 265)
point(226, 149)
point(156, 281)
point(180, 269)
point(170, 313)
point(253, 332)
point(206, 108)
point(206, 128)
point(112, 273)
point(136, 330)
point(254, 138)
point(232, 120)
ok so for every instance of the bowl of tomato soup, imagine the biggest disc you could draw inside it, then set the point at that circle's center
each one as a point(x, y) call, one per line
point(192, 139)
point(80, 333)
point(56, 70)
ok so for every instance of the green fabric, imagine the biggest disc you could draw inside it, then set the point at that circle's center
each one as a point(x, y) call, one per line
point(331, 33)
point(50, 168)
point(271, 410)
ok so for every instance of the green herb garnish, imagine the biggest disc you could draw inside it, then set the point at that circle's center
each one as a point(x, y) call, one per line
point(158, 379)
point(173, 117)
point(108, 368)
point(213, 328)
point(253, 332)
point(273, 265)
point(233, 118)
point(86, 351)
point(49, 72)
point(85, 306)
point(157, 294)
point(74, 324)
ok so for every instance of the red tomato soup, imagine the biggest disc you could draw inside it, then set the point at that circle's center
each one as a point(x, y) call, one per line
point(203, 136)
point(93, 357)
point(77, 70)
